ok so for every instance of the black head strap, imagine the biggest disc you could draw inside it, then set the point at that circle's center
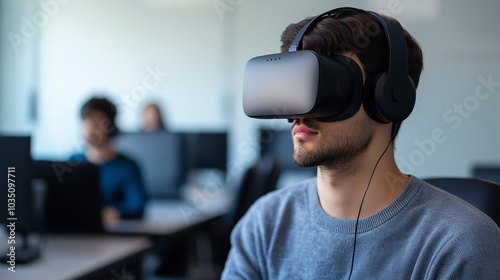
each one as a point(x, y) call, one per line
point(297, 41)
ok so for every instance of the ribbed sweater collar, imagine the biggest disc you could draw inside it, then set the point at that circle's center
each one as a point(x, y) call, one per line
point(345, 226)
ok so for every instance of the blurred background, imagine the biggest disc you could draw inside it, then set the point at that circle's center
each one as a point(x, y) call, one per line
point(188, 57)
point(54, 56)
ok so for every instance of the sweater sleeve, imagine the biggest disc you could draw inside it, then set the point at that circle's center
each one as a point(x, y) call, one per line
point(246, 259)
point(471, 255)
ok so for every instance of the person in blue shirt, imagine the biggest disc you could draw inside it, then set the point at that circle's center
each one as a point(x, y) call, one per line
point(122, 188)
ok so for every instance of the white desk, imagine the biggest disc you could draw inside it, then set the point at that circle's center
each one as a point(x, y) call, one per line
point(66, 257)
point(167, 217)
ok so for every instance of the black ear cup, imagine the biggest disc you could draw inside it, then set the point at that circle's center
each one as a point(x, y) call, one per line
point(392, 92)
point(388, 101)
point(395, 102)
point(369, 98)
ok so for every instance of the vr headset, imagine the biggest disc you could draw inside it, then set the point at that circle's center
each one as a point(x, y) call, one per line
point(303, 83)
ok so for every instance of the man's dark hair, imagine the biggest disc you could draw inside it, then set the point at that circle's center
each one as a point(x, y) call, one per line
point(352, 31)
point(105, 106)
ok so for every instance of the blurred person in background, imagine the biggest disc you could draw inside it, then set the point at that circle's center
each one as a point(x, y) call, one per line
point(122, 189)
point(152, 120)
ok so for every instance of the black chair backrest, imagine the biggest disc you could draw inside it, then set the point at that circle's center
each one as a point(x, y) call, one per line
point(483, 194)
point(491, 173)
point(255, 182)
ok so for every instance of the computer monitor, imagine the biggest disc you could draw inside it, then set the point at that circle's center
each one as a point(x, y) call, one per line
point(207, 150)
point(17, 212)
point(279, 143)
point(16, 164)
point(161, 160)
point(73, 199)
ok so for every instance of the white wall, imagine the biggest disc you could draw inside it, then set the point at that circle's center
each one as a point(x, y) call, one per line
point(17, 69)
point(113, 47)
point(108, 45)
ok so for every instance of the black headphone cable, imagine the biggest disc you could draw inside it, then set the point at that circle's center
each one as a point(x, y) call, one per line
point(395, 129)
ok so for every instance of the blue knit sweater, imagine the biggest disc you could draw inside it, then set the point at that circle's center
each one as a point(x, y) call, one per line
point(425, 233)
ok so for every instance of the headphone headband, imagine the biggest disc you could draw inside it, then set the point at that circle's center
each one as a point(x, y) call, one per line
point(297, 41)
point(395, 85)
point(396, 44)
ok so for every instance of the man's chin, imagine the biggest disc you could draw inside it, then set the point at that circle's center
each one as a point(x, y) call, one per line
point(303, 158)
point(304, 164)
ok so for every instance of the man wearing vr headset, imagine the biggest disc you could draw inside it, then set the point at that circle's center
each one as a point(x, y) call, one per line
point(361, 218)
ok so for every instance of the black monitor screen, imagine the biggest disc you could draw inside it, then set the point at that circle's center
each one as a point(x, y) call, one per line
point(16, 195)
point(279, 143)
point(207, 150)
point(73, 201)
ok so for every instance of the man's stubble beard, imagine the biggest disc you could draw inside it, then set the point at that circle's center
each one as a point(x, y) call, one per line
point(340, 153)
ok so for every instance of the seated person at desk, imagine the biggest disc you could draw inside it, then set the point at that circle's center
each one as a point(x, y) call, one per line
point(122, 189)
point(152, 120)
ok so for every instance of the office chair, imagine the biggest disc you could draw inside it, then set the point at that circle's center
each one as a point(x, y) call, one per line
point(254, 182)
point(491, 173)
point(257, 181)
point(483, 194)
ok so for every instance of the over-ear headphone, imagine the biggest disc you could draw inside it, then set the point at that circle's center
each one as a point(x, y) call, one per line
point(388, 96)
point(297, 84)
